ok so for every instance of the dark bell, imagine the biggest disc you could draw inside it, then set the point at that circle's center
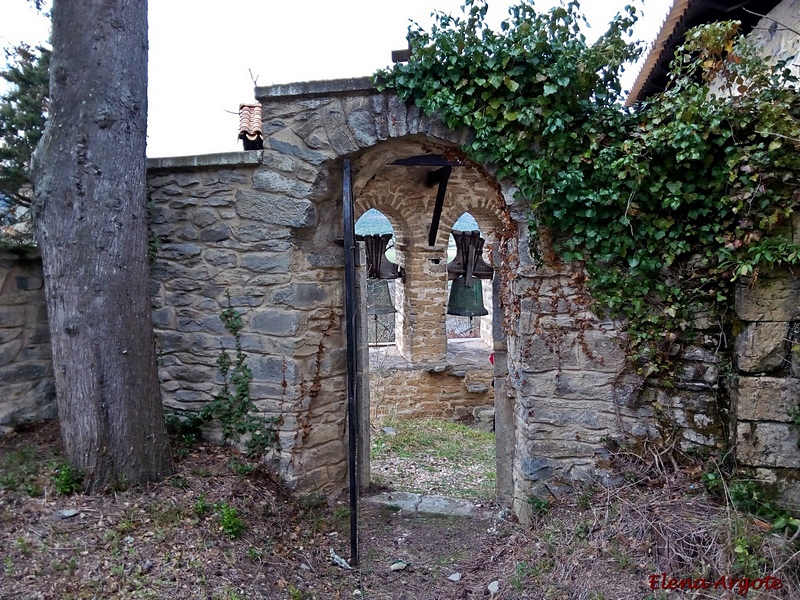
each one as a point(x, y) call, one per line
point(466, 301)
point(379, 302)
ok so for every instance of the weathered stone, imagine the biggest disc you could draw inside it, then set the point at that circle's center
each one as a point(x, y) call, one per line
point(221, 258)
point(210, 324)
point(769, 299)
point(767, 398)
point(272, 369)
point(37, 334)
point(761, 347)
point(302, 295)
point(275, 183)
point(259, 262)
point(275, 209)
point(164, 317)
point(24, 372)
point(203, 217)
point(326, 260)
point(275, 322)
point(536, 469)
point(181, 203)
point(217, 201)
point(215, 233)
point(310, 156)
point(187, 232)
point(767, 445)
point(179, 251)
point(28, 283)
point(9, 351)
point(12, 316)
point(362, 125)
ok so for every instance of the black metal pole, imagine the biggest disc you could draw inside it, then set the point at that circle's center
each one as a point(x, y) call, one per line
point(350, 317)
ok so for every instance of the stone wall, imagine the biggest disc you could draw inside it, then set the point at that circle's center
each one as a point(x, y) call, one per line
point(26, 369)
point(261, 231)
point(457, 388)
point(571, 395)
point(767, 385)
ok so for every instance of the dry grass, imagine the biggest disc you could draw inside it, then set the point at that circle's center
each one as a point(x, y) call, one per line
point(168, 541)
point(433, 456)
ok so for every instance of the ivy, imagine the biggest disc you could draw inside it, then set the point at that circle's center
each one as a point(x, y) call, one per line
point(232, 407)
point(663, 204)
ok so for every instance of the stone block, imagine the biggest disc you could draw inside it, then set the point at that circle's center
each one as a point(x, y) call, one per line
point(179, 251)
point(262, 262)
point(766, 398)
point(767, 445)
point(769, 299)
point(23, 372)
point(215, 233)
point(761, 347)
point(362, 125)
point(221, 258)
point(217, 201)
point(310, 156)
point(303, 295)
point(12, 316)
point(259, 233)
point(27, 283)
point(276, 183)
point(9, 351)
point(272, 369)
point(275, 322)
point(277, 210)
point(209, 324)
point(203, 217)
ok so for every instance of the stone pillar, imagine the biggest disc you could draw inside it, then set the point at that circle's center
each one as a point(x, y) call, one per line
point(766, 395)
point(505, 434)
point(421, 302)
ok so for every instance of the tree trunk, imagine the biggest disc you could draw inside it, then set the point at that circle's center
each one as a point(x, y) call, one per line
point(91, 224)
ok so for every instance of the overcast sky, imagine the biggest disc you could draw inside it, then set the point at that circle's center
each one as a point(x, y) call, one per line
point(203, 51)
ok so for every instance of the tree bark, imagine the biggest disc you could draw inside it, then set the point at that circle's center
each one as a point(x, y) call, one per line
point(91, 222)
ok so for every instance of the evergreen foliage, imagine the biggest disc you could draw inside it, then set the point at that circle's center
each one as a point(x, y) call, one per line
point(23, 113)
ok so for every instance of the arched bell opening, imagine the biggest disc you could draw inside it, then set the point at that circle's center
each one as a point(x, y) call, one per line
point(375, 230)
point(469, 282)
point(423, 192)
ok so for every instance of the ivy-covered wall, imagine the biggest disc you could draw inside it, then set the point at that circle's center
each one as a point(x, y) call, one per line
point(263, 226)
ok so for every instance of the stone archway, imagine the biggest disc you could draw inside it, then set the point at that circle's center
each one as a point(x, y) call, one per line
point(320, 124)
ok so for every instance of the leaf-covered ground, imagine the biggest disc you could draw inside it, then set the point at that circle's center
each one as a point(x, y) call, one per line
point(171, 540)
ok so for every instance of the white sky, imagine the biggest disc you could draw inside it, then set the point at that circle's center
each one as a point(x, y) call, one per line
point(202, 52)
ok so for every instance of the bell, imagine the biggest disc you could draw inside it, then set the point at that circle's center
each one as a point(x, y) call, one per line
point(466, 301)
point(379, 301)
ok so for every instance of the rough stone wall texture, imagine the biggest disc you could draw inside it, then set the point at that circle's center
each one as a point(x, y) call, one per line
point(767, 386)
point(455, 388)
point(262, 227)
point(26, 368)
point(572, 394)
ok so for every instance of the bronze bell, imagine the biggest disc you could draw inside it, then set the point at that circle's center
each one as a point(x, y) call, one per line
point(466, 300)
point(379, 301)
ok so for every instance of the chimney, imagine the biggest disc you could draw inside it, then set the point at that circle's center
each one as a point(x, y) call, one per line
point(250, 126)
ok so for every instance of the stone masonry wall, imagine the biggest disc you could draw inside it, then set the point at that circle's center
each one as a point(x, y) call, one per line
point(259, 230)
point(26, 369)
point(572, 396)
point(456, 388)
point(767, 387)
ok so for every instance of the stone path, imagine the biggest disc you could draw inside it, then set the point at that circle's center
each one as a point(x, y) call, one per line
point(438, 505)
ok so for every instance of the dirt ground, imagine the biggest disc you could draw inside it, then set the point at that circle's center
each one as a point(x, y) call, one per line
point(171, 540)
